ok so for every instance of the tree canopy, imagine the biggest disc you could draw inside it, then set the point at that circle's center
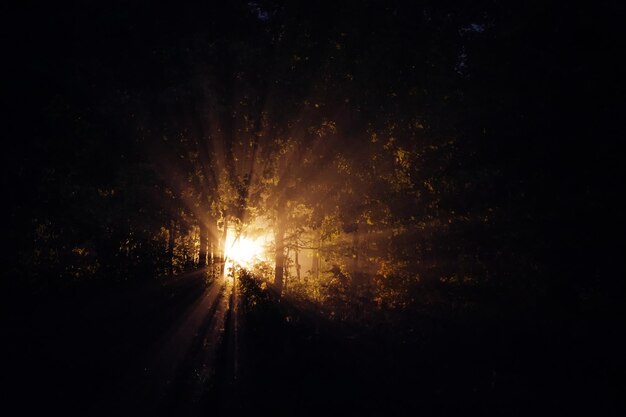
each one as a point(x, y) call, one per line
point(380, 145)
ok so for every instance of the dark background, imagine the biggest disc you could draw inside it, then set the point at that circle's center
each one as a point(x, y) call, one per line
point(532, 90)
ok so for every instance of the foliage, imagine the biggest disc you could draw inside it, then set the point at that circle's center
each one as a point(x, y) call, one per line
point(388, 148)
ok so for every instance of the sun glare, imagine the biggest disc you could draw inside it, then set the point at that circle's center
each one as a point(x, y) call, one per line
point(243, 250)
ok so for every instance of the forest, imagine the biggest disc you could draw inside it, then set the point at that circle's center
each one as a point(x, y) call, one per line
point(313, 208)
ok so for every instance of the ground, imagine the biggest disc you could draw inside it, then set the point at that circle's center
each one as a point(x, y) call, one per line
point(192, 345)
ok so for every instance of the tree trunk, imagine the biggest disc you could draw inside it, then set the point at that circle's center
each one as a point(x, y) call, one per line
point(213, 243)
point(204, 243)
point(315, 262)
point(355, 273)
point(223, 246)
point(280, 250)
point(170, 246)
point(296, 251)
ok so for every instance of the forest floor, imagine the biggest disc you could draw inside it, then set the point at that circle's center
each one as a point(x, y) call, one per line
point(190, 345)
point(149, 349)
point(490, 359)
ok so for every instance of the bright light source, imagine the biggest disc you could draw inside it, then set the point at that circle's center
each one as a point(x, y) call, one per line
point(243, 250)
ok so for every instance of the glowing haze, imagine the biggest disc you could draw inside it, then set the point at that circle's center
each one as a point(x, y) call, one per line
point(244, 250)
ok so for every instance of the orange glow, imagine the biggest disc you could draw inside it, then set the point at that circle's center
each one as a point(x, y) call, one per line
point(244, 250)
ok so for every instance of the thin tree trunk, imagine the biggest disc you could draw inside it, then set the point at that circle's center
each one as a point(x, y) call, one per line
point(170, 246)
point(204, 241)
point(287, 266)
point(315, 263)
point(355, 261)
point(223, 245)
point(213, 242)
point(296, 251)
point(280, 250)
